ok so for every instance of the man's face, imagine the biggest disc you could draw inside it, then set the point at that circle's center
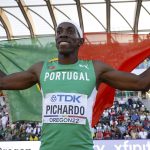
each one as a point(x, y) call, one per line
point(67, 38)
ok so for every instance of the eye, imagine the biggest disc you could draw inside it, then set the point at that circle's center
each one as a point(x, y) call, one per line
point(71, 31)
point(59, 31)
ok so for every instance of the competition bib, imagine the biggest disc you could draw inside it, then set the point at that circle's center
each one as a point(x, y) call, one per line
point(65, 108)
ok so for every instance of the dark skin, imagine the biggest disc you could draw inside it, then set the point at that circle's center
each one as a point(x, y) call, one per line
point(68, 42)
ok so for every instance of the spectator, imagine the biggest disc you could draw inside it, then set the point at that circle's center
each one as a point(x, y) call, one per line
point(8, 134)
point(1, 127)
point(107, 126)
point(4, 120)
point(2, 137)
point(94, 132)
point(126, 135)
point(33, 137)
point(23, 135)
point(135, 117)
point(116, 120)
point(105, 113)
point(147, 127)
point(29, 130)
point(120, 117)
point(99, 131)
point(2, 101)
point(146, 122)
point(115, 132)
point(112, 112)
point(122, 127)
point(148, 135)
point(134, 134)
point(142, 116)
point(143, 134)
point(130, 102)
point(113, 121)
point(107, 134)
point(126, 114)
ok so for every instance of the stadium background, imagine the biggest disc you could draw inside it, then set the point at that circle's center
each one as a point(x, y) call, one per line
point(108, 27)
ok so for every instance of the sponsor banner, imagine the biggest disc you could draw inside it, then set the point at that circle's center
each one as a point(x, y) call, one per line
point(20, 145)
point(122, 145)
point(98, 145)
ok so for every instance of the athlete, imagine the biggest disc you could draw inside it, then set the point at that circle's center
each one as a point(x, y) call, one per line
point(66, 85)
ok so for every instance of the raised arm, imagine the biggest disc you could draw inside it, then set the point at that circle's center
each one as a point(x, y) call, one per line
point(21, 80)
point(122, 80)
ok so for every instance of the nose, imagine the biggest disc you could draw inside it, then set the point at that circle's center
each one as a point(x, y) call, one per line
point(64, 34)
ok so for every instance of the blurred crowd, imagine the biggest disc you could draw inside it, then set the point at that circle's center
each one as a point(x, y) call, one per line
point(126, 119)
point(20, 131)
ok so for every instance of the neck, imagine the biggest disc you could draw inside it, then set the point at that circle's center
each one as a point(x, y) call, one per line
point(70, 58)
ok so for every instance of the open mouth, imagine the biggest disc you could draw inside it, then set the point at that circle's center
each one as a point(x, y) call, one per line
point(63, 40)
point(63, 43)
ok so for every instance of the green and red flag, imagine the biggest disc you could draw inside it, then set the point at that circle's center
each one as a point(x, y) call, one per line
point(122, 51)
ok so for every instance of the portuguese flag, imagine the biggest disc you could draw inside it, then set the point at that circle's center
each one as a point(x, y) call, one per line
point(122, 51)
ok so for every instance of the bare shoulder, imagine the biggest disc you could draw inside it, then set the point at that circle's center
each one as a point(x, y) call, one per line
point(37, 65)
point(101, 67)
point(36, 68)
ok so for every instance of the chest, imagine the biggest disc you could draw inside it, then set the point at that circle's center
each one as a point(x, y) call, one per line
point(79, 78)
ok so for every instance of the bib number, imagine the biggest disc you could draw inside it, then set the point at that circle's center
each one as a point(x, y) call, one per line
point(65, 108)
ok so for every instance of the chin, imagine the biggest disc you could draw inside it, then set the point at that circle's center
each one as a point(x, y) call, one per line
point(64, 52)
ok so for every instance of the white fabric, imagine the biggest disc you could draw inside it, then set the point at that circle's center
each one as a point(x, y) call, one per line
point(4, 121)
point(75, 24)
point(65, 108)
point(143, 134)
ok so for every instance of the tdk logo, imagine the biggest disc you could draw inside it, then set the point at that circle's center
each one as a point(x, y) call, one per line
point(65, 98)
